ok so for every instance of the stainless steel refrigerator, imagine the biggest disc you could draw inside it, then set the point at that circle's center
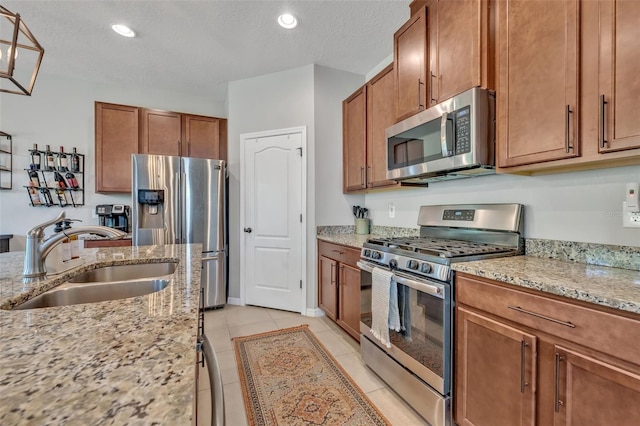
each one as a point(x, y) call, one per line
point(181, 200)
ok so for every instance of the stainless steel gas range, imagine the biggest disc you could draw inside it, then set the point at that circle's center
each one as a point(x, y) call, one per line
point(417, 358)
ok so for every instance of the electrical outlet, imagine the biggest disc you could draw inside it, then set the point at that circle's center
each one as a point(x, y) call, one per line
point(392, 210)
point(630, 219)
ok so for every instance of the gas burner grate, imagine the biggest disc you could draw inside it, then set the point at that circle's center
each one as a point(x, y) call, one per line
point(440, 247)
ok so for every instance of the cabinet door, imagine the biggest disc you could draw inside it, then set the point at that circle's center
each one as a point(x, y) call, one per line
point(116, 133)
point(160, 133)
point(590, 392)
point(537, 81)
point(354, 140)
point(380, 115)
point(410, 58)
point(201, 136)
point(619, 84)
point(328, 286)
point(495, 373)
point(457, 46)
point(349, 300)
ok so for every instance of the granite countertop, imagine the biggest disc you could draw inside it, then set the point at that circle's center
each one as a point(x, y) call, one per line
point(602, 285)
point(127, 361)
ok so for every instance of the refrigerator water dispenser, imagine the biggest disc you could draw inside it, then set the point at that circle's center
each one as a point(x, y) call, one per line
point(151, 202)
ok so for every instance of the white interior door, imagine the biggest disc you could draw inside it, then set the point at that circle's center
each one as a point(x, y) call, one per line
point(272, 228)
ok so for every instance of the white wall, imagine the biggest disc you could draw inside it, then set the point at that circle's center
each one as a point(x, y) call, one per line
point(269, 102)
point(308, 96)
point(61, 112)
point(331, 88)
point(580, 206)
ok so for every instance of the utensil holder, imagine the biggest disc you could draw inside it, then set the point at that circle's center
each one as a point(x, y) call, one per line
point(362, 226)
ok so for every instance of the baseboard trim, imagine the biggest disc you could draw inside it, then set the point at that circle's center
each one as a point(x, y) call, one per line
point(314, 312)
point(234, 301)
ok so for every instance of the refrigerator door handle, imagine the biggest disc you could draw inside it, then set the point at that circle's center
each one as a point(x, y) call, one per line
point(178, 212)
point(209, 258)
point(183, 208)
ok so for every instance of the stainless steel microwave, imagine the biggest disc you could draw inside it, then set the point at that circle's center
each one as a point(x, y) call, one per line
point(451, 140)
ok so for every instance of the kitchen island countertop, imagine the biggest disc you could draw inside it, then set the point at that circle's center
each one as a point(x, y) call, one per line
point(605, 286)
point(127, 361)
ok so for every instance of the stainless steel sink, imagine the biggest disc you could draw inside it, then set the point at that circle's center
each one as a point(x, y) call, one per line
point(125, 272)
point(106, 283)
point(74, 293)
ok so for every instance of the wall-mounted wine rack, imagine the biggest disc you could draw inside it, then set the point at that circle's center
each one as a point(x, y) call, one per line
point(55, 178)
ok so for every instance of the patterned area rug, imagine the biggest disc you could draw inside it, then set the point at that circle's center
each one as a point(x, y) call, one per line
point(289, 378)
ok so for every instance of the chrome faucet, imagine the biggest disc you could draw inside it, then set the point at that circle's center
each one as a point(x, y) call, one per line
point(37, 249)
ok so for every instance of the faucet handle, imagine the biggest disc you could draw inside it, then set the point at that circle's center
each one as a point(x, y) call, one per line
point(38, 230)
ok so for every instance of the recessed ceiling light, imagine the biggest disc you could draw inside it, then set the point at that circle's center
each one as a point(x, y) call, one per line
point(123, 30)
point(287, 20)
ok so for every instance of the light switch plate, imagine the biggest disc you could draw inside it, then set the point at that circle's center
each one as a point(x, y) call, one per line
point(392, 210)
point(630, 219)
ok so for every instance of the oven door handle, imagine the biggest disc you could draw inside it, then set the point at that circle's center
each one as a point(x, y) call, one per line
point(431, 289)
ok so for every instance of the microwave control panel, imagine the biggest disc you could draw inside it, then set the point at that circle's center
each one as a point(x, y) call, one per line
point(463, 130)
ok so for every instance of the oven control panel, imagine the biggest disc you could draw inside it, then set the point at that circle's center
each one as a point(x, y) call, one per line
point(397, 262)
point(466, 215)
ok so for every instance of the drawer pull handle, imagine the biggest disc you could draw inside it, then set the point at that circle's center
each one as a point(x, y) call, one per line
point(558, 402)
point(337, 251)
point(523, 383)
point(535, 314)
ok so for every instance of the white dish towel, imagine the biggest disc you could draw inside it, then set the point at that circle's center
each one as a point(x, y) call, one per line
point(380, 285)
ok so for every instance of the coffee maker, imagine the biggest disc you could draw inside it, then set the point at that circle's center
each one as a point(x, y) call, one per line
point(114, 216)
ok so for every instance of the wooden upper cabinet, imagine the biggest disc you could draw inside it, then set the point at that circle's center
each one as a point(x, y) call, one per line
point(201, 137)
point(116, 138)
point(380, 115)
point(354, 140)
point(619, 81)
point(410, 58)
point(538, 65)
point(459, 49)
point(160, 132)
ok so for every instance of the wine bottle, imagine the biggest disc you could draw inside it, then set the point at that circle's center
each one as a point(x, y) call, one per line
point(60, 182)
point(75, 161)
point(50, 166)
point(63, 164)
point(33, 194)
point(35, 157)
point(71, 180)
point(46, 196)
point(34, 179)
point(62, 197)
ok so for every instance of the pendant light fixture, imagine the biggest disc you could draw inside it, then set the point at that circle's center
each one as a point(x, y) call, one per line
point(20, 55)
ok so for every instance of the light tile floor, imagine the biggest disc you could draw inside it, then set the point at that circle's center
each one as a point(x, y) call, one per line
point(223, 324)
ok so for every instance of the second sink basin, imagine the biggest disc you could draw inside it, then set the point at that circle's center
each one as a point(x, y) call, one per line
point(125, 272)
point(73, 294)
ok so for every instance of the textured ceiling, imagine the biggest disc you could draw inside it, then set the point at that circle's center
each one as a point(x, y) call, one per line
point(197, 47)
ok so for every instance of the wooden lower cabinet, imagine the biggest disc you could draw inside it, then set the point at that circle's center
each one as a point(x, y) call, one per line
point(593, 392)
point(522, 358)
point(495, 372)
point(107, 243)
point(327, 288)
point(339, 285)
point(349, 297)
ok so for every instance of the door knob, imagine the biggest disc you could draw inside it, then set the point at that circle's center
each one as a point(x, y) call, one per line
point(248, 230)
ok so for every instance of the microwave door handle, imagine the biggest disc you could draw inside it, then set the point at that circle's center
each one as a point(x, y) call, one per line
point(446, 136)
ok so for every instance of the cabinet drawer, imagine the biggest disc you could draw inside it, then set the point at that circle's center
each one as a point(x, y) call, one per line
point(592, 328)
point(107, 243)
point(343, 254)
